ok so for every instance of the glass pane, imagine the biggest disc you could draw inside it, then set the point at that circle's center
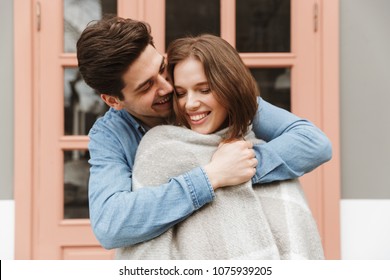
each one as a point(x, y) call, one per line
point(189, 17)
point(77, 14)
point(76, 175)
point(82, 106)
point(263, 25)
point(275, 86)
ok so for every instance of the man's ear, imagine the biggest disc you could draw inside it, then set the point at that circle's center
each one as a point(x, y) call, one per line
point(112, 101)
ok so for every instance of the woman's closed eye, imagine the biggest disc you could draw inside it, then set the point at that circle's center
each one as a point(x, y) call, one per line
point(205, 90)
point(180, 93)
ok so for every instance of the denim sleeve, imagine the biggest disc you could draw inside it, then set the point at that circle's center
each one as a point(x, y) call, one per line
point(293, 147)
point(121, 217)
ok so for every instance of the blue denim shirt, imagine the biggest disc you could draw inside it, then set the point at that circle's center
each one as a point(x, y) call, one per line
point(120, 217)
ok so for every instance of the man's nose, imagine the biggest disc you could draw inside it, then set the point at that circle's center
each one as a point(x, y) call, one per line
point(165, 87)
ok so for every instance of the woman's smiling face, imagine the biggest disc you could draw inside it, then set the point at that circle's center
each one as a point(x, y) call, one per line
point(196, 100)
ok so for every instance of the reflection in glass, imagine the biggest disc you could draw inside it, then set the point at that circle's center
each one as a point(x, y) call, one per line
point(188, 17)
point(77, 14)
point(76, 175)
point(82, 106)
point(263, 25)
point(274, 85)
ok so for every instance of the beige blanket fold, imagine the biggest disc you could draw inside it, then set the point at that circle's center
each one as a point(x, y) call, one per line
point(269, 221)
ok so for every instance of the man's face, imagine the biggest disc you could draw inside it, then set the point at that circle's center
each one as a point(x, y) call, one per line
point(147, 94)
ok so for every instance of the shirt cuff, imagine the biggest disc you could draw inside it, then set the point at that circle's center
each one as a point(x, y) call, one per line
point(268, 164)
point(200, 187)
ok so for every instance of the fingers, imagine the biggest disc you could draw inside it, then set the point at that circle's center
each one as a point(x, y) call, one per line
point(233, 163)
point(254, 162)
point(245, 148)
point(246, 144)
point(250, 151)
point(249, 144)
point(252, 155)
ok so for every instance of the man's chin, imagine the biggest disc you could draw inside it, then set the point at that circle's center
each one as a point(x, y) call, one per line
point(166, 113)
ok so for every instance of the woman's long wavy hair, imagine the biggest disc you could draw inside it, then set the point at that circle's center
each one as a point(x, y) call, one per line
point(229, 78)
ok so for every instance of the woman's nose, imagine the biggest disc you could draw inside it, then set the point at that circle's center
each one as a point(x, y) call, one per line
point(192, 101)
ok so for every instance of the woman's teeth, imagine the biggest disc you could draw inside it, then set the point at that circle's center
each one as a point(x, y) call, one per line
point(198, 117)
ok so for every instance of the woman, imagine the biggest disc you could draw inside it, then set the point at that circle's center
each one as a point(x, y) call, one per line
point(215, 96)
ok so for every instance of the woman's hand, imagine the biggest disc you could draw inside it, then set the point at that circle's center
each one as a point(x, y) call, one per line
point(233, 163)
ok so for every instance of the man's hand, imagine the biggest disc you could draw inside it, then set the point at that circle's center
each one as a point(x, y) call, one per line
point(232, 164)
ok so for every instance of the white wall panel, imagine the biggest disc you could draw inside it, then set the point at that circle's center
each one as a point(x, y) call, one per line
point(365, 229)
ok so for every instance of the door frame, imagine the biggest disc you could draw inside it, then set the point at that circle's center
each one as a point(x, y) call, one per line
point(23, 128)
point(26, 128)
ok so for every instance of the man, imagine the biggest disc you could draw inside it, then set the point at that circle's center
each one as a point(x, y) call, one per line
point(117, 58)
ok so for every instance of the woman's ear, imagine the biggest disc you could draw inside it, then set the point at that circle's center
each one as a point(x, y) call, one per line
point(112, 101)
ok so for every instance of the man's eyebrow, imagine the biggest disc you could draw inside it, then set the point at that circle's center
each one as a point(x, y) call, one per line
point(141, 85)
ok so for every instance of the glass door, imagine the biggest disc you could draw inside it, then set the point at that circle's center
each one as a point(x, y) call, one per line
point(67, 109)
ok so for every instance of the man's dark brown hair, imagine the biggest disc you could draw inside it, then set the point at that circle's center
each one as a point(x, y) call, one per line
point(107, 48)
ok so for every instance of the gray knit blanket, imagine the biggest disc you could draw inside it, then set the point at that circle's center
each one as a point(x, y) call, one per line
point(268, 221)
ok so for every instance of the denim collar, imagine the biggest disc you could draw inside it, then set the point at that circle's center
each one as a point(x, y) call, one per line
point(135, 122)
